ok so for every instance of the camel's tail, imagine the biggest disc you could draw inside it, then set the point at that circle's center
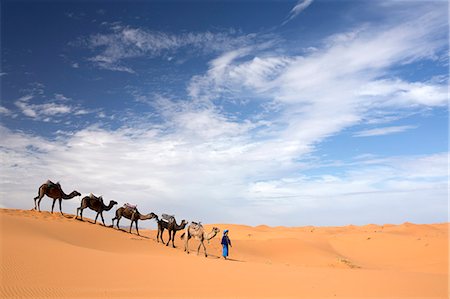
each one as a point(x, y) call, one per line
point(182, 236)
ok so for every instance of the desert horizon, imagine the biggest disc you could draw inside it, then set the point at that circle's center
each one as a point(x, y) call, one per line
point(46, 255)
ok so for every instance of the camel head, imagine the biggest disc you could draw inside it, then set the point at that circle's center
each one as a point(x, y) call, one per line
point(75, 193)
point(216, 230)
point(153, 215)
point(113, 202)
point(183, 223)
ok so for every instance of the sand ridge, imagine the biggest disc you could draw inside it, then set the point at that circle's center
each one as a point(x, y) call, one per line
point(46, 255)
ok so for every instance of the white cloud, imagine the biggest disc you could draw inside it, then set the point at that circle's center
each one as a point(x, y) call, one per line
point(5, 111)
point(383, 131)
point(127, 42)
point(346, 82)
point(50, 110)
point(22, 104)
point(396, 92)
point(297, 9)
point(211, 178)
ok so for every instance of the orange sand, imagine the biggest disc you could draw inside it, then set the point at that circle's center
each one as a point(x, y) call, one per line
point(52, 256)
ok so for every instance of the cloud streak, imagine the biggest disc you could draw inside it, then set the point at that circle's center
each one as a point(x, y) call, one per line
point(342, 84)
point(297, 9)
point(125, 43)
point(48, 111)
point(383, 131)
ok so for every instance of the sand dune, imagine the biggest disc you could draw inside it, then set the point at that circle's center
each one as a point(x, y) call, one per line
point(52, 256)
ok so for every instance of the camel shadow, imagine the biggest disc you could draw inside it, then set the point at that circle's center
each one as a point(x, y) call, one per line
point(140, 236)
point(217, 257)
point(235, 260)
point(91, 222)
point(127, 232)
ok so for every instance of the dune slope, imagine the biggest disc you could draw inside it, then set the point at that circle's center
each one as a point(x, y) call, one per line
point(54, 256)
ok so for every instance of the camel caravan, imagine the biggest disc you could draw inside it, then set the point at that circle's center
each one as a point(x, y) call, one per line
point(166, 222)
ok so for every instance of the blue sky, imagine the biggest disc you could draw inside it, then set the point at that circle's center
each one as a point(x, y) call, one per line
point(276, 112)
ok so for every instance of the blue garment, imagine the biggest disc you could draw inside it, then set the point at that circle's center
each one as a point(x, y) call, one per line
point(225, 242)
point(224, 250)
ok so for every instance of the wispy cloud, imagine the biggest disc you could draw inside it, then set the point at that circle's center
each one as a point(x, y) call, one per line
point(341, 84)
point(383, 131)
point(48, 110)
point(297, 9)
point(125, 42)
point(5, 111)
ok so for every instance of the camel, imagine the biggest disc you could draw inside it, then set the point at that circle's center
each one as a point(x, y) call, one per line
point(133, 215)
point(53, 191)
point(196, 230)
point(95, 203)
point(172, 227)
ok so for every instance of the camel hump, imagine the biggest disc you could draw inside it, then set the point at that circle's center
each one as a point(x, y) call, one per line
point(130, 206)
point(196, 225)
point(50, 184)
point(92, 196)
point(168, 218)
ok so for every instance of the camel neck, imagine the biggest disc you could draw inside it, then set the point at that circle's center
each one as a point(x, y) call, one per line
point(108, 207)
point(145, 217)
point(211, 235)
point(65, 196)
point(180, 227)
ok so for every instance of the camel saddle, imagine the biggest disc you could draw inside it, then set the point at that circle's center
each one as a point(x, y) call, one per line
point(196, 225)
point(130, 206)
point(168, 218)
point(51, 185)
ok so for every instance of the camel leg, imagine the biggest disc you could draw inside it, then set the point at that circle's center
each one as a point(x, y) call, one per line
point(204, 248)
point(39, 204)
point(170, 237)
point(186, 243)
point(198, 249)
point(131, 225)
point(173, 238)
point(118, 219)
point(95, 221)
point(137, 229)
point(103, 220)
point(60, 200)
point(40, 195)
point(53, 205)
point(162, 230)
point(35, 204)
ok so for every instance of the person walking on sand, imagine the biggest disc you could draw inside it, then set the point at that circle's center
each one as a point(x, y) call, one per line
point(225, 242)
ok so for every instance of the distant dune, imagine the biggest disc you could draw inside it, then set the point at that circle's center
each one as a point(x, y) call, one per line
point(52, 256)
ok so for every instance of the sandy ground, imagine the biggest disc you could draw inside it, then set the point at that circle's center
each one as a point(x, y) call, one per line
point(47, 255)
